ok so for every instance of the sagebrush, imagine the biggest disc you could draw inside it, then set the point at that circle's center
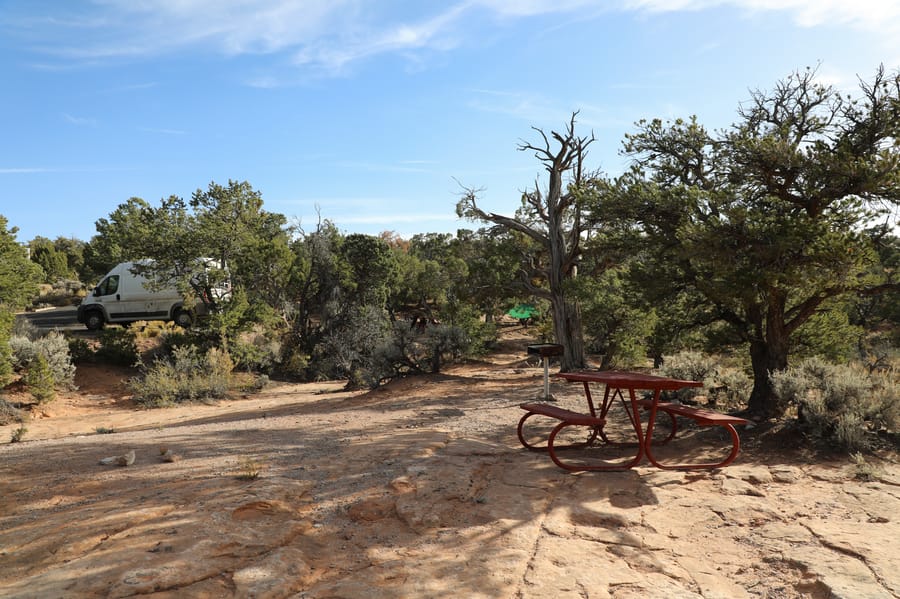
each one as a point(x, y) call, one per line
point(838, 405)
point(187, 375)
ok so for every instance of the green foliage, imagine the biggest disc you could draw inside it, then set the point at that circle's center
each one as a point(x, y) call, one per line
point(118, 239)
point(723, 385)
point(6, 354)
point(178, 337)
point(19, 276)
point(19, 279)
point(492, 264)
point(294, 364)
point(188, 375)
point(63, 292)
point(18, 435)
point(616, 326)
point(829, 334)
point(837, 405)
point(373, 269)
point(118, 346)
point(80, 350)
point(412, 350)
point(73, 250)
point(39, 380)
point(230, 225)
point(315, 287)
point(231, 316)
point(54, 264)
point(256, 352)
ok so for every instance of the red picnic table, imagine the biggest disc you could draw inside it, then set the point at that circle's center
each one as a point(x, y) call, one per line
point(617, 385)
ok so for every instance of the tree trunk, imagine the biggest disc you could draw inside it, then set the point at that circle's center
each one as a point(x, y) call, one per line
point(567, 330)
point(768, 355)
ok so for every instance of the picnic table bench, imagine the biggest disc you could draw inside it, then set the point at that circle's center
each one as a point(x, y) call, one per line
point(595, 421)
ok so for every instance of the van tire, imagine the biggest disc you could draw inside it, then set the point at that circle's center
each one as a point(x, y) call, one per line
point(93, 320)
point(183, 318)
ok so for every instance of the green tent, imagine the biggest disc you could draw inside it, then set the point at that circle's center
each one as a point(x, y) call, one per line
point(523, 311)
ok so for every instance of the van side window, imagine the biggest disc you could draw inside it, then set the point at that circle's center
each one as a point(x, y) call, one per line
point(108, 286)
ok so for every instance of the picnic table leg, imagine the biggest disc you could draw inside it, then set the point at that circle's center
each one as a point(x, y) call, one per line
point(608, 399)
point(590, 401)
point(520, 432)
point(547, 378)
point(735, 446)
point(585, 465)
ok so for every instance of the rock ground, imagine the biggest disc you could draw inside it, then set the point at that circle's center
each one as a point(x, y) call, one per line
point(419, 489)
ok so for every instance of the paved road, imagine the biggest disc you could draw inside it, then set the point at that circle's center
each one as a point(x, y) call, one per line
point(54, 318)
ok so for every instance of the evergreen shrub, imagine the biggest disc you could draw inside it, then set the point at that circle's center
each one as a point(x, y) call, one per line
point(118, 346)
point(39, 379)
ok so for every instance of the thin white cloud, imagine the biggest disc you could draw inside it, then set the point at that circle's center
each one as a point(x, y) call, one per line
point(330, 35)
point(536, 109)
point(434, 33)
point(24, 170)
point(528, 106)
point(531, 8)
point(79, 120)
point(872, 15)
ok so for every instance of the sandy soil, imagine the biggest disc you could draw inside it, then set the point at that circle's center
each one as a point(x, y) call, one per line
point(418, 489)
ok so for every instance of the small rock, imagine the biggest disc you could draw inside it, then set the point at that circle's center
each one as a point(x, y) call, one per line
point(169, 456)
point(126, 459)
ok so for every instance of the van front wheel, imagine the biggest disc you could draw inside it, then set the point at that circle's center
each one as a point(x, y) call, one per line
point(93, 320)
point(183, 319)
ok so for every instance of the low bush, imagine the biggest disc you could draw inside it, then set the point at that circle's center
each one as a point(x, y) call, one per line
point(118, 346)
point(9, 413)
point(837, 405)
point(294, 365)
point(729, 387)
point(39, 379)
point(153, 329)
point(255, 352)
point(18, 434)
point(80, 350)
point(689, 366)
point(352, 349)
point(53, 348)
point(188, 375)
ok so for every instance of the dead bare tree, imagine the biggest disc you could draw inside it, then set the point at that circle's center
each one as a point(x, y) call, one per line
point(553, 220)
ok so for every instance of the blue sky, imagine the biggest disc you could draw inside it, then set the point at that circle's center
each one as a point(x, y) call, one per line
point(371, 113)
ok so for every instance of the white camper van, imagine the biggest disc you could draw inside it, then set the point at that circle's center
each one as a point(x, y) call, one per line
point(124, 296)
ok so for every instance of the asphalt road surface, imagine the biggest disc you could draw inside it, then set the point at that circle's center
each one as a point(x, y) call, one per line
point(54, 318)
